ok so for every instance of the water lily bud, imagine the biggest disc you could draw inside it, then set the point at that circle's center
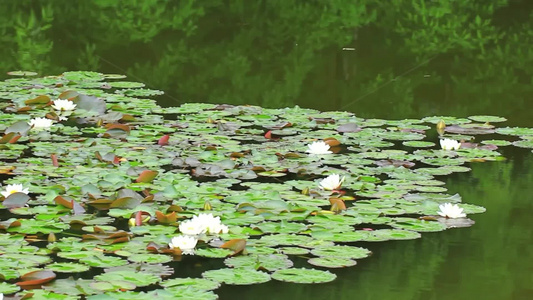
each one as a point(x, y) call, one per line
point(52, 238)
point(305, 191)
point(207, 205)
point(131, 222)
point(440, 127)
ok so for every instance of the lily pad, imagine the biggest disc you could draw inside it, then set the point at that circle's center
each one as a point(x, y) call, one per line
point(417, 225)
point(303, 275)
point(332, 262)
point(68, 267)
point(7, 288)
point(491, 119)
point(269, 262)
point(137, 278)
point(341, 251)
point(237, 276)
point(194, 283)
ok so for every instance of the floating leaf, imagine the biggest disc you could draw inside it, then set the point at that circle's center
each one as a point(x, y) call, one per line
point(214, 252)
point(268, 262)
point(237, 276)
point(19, 127)
point(237, 245)
point(163, 140)
point(16, 200)
point(43, 99)
point(9, 138)
point(137, 278)
point(91, 104)
point(491, 119)
point(166, 219)
point(146, 176)
point(349, 127)
point(193, 283)
point(125, 202)
point(21, 73)
point(303, 275)
point(332, 262)
point(79, 76)
point(68, 267)
point(341, 251)
point(36, 278)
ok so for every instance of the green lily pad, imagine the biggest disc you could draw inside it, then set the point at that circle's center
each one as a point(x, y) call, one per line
point(78, 76)
point(332, 262)
point(72, 287)
point(137, 278)
point(237, 276)
point(7, 288)
point(269, 262)
point(392, 234)
point(516, 131)
point(285, 239)
point(418, 144)
point(524, 143)
point(67, 267)
point(43, 294)
point(417, 225)
point(21, 73)
point(498, 143)
point(213, 252)
point(491, 119)
point(193, 283)
point(102, 261)
point(126, 84)
point(149, 258)
point(341, 251)
point(303, 275)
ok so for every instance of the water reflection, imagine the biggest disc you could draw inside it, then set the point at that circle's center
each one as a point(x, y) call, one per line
point(409, 59)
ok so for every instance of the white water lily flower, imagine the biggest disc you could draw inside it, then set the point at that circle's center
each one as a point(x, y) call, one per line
point(212, 224)
point(60, 104)
point(332, 182)
point(40, 123)
point(452, 211)
point(185, 243)
point(192, 227)
point(449, 144)
point(14, 188)
point(218, 228)
point(317, 148)
point(203, 223)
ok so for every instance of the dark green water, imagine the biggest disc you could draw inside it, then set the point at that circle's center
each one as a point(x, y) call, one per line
point(401, 59)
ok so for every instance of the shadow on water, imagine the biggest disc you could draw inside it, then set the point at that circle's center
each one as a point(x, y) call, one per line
point(390, 60)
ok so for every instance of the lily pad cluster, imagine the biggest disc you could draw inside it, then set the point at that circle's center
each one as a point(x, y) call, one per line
point(102, 191)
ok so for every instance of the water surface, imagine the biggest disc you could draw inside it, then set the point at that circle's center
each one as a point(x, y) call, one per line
point(378, 60)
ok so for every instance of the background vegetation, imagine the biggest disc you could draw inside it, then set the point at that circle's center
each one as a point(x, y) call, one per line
point(411, 57)
point(401, 58)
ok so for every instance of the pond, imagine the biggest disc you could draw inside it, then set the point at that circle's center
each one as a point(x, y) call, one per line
point(391, 61)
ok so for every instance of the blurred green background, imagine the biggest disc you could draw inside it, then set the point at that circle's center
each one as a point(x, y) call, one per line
point(389, 59)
